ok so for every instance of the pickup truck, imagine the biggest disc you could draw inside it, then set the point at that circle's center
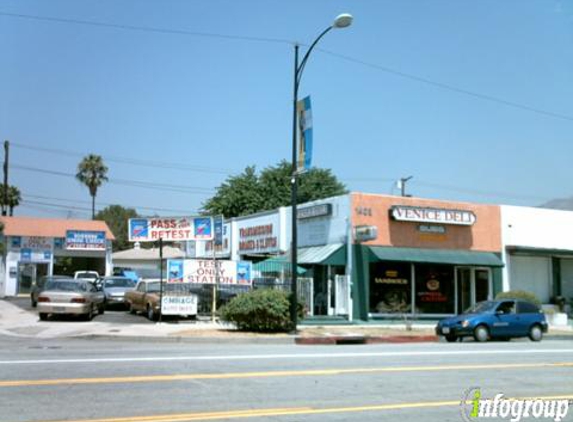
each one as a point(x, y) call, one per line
point(144, 298)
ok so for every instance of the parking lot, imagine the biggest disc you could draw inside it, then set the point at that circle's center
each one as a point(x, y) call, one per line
point(114, 314)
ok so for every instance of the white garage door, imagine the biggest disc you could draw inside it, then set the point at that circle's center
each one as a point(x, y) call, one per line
point(533, 274)
point(567, 278)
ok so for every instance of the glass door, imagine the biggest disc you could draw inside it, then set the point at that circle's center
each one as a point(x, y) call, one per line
point(464, 288)
point(473, 285)
point(482, 281)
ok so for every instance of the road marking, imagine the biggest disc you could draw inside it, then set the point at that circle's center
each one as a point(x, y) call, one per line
point(274, 374)
point(281, 356)
point(293, 411)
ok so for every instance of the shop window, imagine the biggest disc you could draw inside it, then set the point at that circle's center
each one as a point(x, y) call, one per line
point(435, 291)
point(390, 288)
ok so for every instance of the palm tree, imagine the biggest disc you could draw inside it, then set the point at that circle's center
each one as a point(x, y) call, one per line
point(92, 173)
point(14, 198)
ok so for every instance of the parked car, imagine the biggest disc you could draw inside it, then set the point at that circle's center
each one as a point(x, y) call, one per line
point(70, 297)
point(86, 275)
point(38, 286)
point(503, 319)
point(114, 289)
point(144, 298)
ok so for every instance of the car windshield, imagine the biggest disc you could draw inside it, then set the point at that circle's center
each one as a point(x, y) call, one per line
point(153, 287)
point(480, 307)
point(118, 282)
point(66, 286)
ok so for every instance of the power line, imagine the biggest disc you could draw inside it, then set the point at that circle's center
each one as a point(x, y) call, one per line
point(448, 87)
point(452, 188)
point(127, 182)
point(110, 204)
point(441, 85)
point(125, 160)
point(146, 28)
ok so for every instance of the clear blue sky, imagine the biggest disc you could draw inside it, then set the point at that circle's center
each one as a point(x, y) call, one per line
point(215, 97)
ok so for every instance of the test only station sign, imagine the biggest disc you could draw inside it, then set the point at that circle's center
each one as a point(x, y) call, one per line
point(170, 229)
point(204, 271)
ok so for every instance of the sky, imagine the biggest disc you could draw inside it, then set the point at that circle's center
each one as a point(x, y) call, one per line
point(471, 98)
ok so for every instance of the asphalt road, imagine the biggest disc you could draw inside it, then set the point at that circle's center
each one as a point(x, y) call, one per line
point(126, 381)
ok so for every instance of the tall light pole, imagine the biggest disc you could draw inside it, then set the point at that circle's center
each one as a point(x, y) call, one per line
point(342, 21)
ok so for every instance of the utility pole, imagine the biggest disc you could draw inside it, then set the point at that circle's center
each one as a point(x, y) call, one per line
point(5, 198)
point(402, 184)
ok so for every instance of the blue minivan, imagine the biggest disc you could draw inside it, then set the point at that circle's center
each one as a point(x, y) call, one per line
point(501, 319)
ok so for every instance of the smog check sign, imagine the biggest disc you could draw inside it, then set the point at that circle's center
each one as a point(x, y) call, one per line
point(170, 229)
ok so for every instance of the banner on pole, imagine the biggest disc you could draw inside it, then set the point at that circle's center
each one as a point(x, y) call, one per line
point(304, 113)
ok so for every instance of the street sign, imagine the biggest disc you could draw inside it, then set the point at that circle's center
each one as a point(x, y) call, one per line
point(170, 229)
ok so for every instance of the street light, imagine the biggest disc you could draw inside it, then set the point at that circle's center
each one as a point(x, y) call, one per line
point(342, 21)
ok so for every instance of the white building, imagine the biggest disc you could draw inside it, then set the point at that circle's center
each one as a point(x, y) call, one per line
point(537, 249)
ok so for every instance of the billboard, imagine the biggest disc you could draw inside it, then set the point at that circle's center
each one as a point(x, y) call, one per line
point(208, 271)
point(170, 229)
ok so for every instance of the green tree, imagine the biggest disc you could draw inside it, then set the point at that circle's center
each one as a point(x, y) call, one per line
point(92, 172)
point(248, 193)
point(117, 218)
point(14, 197)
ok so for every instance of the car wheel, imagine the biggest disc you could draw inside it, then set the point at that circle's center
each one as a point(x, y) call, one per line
point(43, 316)
point(150, 313)
point(33, 302)
point(450, 338)
point(535, 333)
point(131, 308)
point(481, 333)
point(101, 309)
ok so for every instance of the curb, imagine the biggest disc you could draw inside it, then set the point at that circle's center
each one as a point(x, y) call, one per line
point(355, 340)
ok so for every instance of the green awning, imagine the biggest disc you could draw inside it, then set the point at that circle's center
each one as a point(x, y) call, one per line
point(435, 256)
point(333, 254)
point(276, 265)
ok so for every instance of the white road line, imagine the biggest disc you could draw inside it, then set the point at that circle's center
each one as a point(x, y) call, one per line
point(287, 356)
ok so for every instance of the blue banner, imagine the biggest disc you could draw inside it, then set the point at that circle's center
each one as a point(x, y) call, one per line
point(85, 240)
point(304, 114)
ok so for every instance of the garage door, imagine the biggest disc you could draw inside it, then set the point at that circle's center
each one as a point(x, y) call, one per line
point(533, 274)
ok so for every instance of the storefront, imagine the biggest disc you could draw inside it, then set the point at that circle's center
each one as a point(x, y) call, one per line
point(423, 258)
point(34, 247)
point(538, 251)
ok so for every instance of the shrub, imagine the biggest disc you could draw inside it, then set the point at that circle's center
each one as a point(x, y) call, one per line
point(261, 310)
point(519, 294)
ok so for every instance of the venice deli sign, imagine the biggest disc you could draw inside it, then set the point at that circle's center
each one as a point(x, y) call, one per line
point(433, 215)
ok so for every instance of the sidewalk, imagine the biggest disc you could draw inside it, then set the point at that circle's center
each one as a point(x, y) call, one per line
point(20, 322)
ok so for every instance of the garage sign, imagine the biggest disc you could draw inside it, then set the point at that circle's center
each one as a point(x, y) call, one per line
point(170, 229)
point(83, 240)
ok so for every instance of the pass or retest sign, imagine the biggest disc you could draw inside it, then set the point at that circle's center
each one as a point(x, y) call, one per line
point(179, 305)
point(170, 229)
